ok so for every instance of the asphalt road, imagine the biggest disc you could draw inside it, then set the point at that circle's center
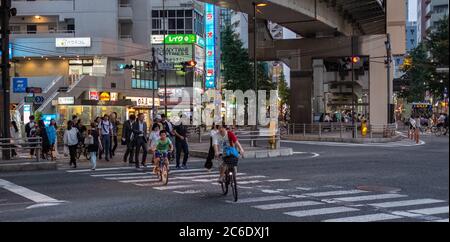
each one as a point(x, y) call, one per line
point(321, 182)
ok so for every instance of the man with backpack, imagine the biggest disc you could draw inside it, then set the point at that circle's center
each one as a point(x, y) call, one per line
point(225, 143)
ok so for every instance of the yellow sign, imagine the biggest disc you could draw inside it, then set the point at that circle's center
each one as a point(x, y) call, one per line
point(105, 96)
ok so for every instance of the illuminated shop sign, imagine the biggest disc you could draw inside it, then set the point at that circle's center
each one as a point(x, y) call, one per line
point(210, 47)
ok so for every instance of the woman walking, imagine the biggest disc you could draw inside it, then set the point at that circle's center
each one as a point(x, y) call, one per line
point(51, 133)
point(71, 141)
point(42, 132)
point(94, 144)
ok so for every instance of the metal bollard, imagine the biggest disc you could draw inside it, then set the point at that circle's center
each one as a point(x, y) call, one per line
point(340, 131)
point(320, 130)
point(304, 130)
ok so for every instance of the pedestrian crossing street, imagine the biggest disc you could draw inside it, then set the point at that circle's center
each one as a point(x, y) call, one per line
point(330, 203)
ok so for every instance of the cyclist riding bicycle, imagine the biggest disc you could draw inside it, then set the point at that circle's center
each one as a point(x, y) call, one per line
point(222, 141)
point(163, 148)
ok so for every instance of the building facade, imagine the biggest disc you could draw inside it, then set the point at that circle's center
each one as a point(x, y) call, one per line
point(429, 13)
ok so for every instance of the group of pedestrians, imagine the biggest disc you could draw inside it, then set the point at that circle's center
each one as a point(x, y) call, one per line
point(136, 137)
point(36, 131)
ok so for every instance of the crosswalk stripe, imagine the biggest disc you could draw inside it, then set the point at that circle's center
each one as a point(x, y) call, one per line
point(430, 211)
point(120, 174)
point(139, 181)
point(101, 169)
point(240, 178)
point(164, 188)
point(262, 199)
point(279, 180)
point(442, 220)
point(406, 214)
point(405, 203)
point(205, 176)
point(128, 177)
point(249, 182)
point(369, 197)
point(321, 211)
point(333, 193)
point(365, 218)
point(158, 183)
point(286, 205)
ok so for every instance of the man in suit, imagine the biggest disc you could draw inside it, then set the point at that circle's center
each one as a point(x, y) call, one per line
point(128, 138)
point(140, 139)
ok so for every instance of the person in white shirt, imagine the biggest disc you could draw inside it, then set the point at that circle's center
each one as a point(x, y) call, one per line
point(105, 128)
point(71, 141)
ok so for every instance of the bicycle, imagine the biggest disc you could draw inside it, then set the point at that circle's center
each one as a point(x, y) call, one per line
point(83, 150)
point(230, 164)
point(439, 130)
point(163, 172)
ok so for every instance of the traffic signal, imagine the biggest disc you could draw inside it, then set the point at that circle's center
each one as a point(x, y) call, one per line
point(355, 59)
point(188, 64)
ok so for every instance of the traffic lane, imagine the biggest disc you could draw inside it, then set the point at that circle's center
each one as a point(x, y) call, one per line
point(419, 171)
point(113, 201)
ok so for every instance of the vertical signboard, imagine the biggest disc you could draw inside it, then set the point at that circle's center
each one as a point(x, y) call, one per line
point(26, 113)
point(210, 47)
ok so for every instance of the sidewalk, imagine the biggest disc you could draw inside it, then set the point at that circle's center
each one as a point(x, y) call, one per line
point(345, 137)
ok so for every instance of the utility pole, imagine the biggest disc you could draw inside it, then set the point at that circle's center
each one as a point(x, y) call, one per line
point(6, 13)
point(255, 63)
point(154, 63)
point(165, 70)
point(388, 74)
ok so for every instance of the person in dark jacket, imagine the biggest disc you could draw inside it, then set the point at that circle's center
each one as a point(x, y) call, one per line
point(140, 139)
point(42, 132)
point(94, 144)
point(128, 138)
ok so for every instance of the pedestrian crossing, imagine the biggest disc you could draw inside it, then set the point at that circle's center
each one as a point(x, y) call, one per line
point(329, 203)
point(188, 181)
point(349, 205)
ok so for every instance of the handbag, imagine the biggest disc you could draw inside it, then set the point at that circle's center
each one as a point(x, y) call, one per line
point(89, 140)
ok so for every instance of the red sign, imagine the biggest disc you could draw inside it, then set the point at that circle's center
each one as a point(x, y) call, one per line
point(93, 96)
point(210, 72)
point(34, 90)
point(209, 16)
point(210, 34)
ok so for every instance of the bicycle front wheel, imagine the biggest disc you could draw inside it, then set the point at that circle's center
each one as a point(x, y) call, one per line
point(165, 174)
point(234, 185)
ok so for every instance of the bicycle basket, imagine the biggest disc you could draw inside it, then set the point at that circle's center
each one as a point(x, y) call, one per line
point(231, 160)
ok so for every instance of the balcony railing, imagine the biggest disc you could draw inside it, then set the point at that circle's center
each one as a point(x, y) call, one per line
point(50, 33)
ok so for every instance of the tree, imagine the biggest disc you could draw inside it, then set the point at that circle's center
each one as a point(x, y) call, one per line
point(418, 71)
point(264, 81)
point(437, 45)
point(237, 70)
point(284, 95)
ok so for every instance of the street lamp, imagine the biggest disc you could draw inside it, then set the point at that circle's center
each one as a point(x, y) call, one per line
point(255, 68)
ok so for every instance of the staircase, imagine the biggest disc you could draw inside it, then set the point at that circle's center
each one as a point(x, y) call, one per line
point(58, 81)
point(75, 80)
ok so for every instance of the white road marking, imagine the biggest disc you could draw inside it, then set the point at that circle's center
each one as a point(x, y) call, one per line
point(441, 220)
point(430, 211)
point(120, 174)
point(314, 155)
point(286, 205)
point(279, 180)
point(262, 199)
point(140, 181)
point(36, 197)
point(407, 214)
point(333, 193)
point(188, 192)
point(365, 218)
point(158, 183)
point(369, 197)
point(164, 188)
point(405, 203)
point(321, 211)
point(240, 178)
point(101, 169)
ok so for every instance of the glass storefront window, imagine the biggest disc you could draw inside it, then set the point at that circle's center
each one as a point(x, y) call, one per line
point(87, 114)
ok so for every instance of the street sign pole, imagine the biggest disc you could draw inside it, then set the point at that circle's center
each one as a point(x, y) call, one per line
point(5, 16)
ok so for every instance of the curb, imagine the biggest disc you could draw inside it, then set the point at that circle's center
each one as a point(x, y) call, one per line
point(28, 166)
point(344, 140)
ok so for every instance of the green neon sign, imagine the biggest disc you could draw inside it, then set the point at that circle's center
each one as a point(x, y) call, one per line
point(180, 39)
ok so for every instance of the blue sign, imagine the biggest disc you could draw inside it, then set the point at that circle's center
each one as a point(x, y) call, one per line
point(210, 47)
point(48, 117)
point(10, 52)
point(20, 85)
point(39, 99)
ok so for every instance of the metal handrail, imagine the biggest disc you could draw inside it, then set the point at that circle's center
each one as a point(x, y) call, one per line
point(12, 144)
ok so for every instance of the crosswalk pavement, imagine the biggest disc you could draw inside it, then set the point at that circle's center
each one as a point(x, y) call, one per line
point(187, 181)
point(352, 205)
point(329, 203)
